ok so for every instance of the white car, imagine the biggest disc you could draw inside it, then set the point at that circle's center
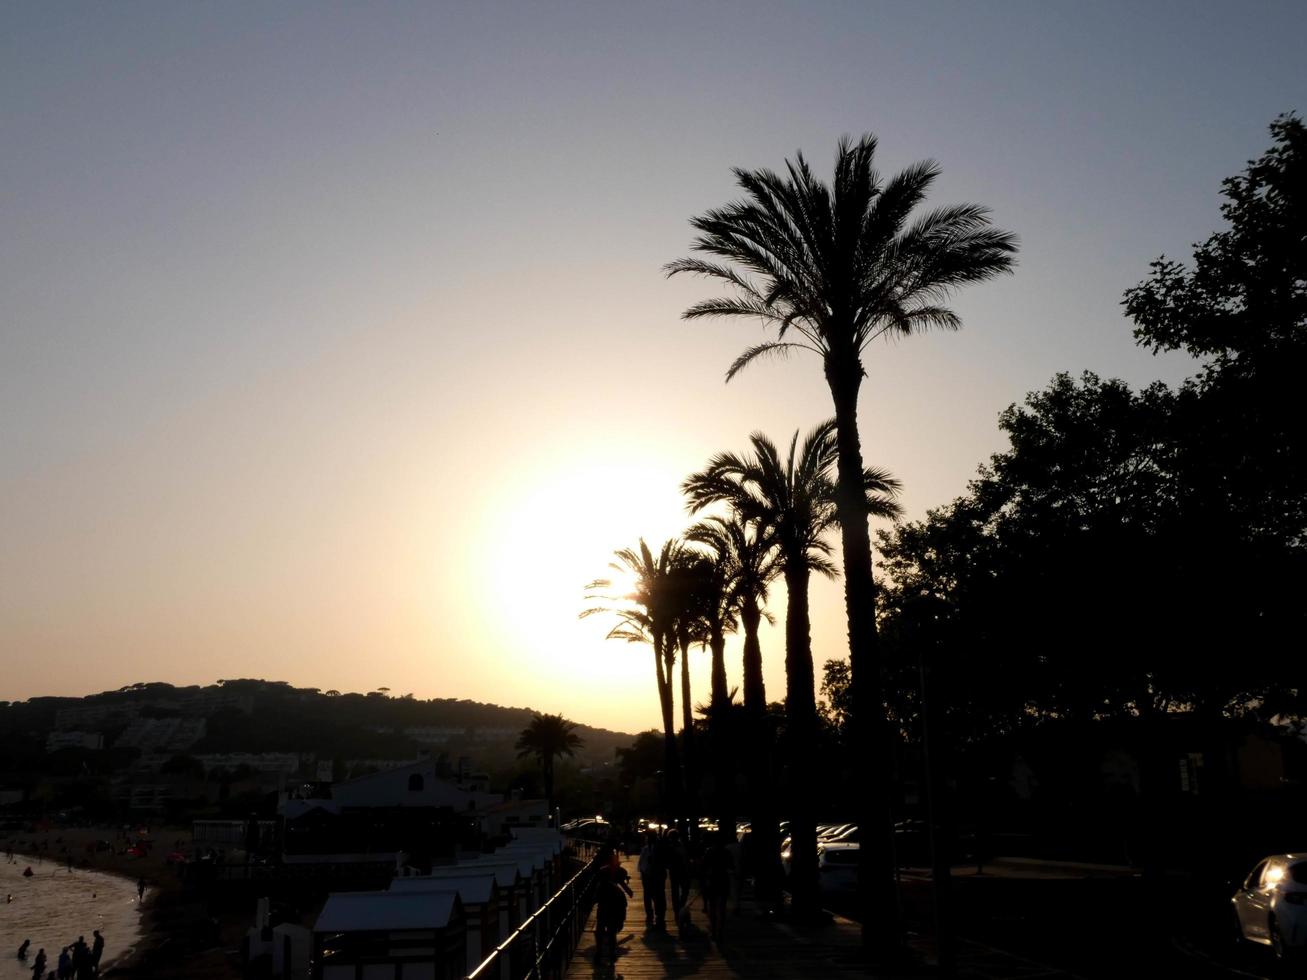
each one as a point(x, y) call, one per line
point(1272, 904)
point(837, 866)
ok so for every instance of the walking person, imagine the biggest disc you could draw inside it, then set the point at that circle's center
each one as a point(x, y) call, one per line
point(610, 911)
point(653, 881)
point(140, 890)
point(65, 966)
point(678, 873)
point(718, 869)
point(38, 965)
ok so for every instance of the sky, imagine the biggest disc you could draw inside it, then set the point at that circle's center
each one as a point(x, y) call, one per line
point(334, 346)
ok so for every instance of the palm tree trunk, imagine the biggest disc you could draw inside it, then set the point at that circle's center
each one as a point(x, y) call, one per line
point(671, 761)
point(687, 715)
point(801, 721)
point(720, 722)
point(755, 694)
point(878, 899)
point(762, 810)
point(547, 764)
point(717, 644)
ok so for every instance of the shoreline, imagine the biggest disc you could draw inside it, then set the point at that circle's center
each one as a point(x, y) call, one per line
point(175, 938)
point(144, 914)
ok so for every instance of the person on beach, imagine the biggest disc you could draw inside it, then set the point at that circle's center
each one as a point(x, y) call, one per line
point(38, 965)
point(65, 964)
point(140, 890)
point(97, 950)
point(81, 959)
point(22, 950)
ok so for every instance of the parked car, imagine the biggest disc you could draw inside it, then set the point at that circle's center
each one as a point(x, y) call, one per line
point(1271, 905)
point(837, 866)
point(832, 831)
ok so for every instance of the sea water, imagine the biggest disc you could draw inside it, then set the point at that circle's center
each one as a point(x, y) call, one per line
point(55, 906)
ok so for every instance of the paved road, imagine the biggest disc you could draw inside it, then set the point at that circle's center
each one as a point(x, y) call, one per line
point(1094, 924)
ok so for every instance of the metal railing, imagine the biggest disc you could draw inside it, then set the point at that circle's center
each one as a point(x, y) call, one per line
point(541, 947)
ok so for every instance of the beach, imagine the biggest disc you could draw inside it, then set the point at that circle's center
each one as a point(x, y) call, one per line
point(173, 934)
point(55, 906)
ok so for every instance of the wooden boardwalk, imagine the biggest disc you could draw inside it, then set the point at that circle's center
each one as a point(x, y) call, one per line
point(759, 949)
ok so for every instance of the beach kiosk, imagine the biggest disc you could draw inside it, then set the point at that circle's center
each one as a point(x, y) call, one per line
point(390, 936)
point(530, 872)
point(479, 893)
point(546, 866)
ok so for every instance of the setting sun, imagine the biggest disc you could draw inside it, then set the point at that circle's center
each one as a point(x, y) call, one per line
point(554, 536)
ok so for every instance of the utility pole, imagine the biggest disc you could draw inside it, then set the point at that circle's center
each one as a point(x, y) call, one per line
point(941, 875)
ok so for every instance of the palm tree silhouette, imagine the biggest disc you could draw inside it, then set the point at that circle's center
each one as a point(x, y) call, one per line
point(546, 738)
point(834, 267)
point(705, 610)
point(647, 614)
point(748, 562)
point(794, 499)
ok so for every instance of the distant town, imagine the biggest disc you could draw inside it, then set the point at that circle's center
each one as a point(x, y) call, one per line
point(158, 752)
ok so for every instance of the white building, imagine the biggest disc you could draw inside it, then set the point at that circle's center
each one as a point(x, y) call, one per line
point(414, 784)
point(285, 762)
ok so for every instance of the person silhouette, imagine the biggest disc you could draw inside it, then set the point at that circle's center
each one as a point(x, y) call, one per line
point(22, 950)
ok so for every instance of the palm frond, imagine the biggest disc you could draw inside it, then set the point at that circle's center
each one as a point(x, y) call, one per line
point(773, 349)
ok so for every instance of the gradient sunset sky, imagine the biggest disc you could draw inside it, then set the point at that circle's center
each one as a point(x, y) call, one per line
point(334, 346)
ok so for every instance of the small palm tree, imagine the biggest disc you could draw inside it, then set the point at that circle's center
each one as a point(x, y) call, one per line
point(833, 268)
point(747, 563)
point(647, 614)
point(547, 738)
point(793, 499)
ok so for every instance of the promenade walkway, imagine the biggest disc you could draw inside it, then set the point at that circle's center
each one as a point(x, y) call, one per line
point(758, 949)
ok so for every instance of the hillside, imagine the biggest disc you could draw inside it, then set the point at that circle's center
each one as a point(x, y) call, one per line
point(258, 716)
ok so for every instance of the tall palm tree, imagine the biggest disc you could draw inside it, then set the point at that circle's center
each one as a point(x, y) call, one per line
point(547, 738)
point(647, 614)
point(794, 499)
point(832, 268)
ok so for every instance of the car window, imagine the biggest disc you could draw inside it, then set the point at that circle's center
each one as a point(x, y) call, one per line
point(1254, 879)
point(1298, 873)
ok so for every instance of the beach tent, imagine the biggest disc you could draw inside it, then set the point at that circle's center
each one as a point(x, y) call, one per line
point(530, 876)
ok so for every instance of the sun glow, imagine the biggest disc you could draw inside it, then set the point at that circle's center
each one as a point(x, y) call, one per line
point(551, 538)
